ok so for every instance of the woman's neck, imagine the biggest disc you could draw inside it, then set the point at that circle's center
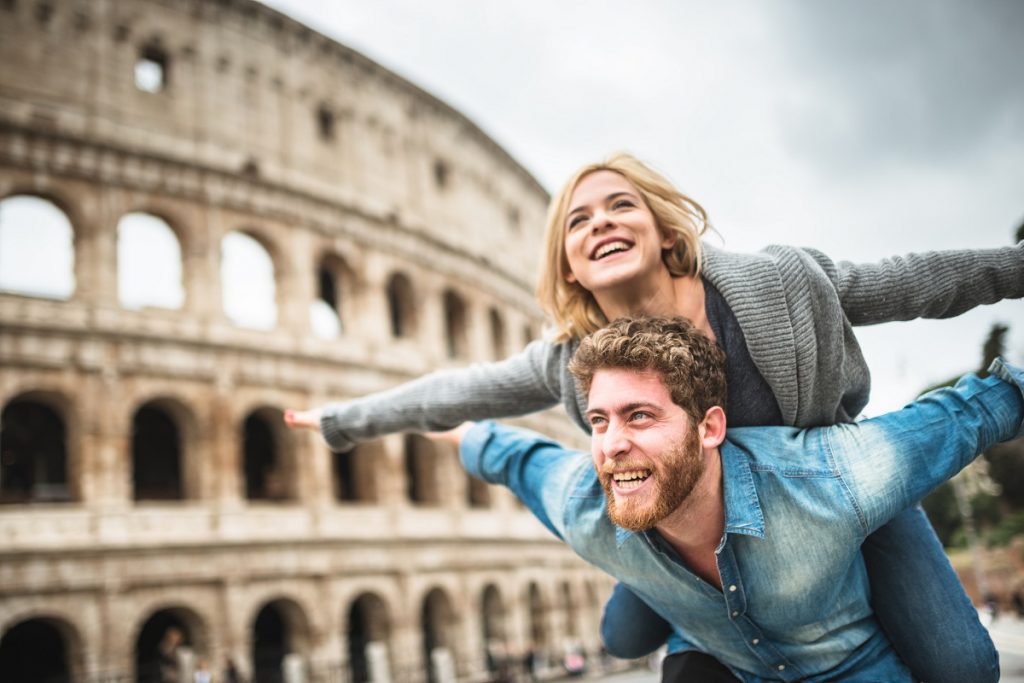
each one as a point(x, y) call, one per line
point(666, 296)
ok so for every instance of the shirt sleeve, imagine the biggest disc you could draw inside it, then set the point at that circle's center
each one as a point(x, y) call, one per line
point(524, 383)
point(938, 284)
point(890, 462)
point(538, 471)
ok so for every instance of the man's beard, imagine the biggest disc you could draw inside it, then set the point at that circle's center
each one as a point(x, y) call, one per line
point(681, 467)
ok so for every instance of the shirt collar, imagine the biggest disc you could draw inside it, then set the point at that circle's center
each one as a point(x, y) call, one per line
point(742, 506)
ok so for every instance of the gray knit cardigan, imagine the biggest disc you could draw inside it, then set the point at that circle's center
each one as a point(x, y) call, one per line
point(796, 308)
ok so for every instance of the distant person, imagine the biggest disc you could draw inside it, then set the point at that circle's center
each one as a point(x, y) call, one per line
point(167, 650)
point(750, 541)
point(622, 240)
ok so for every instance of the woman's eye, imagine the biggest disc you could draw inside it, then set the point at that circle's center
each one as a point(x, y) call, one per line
point(576, 220)
point(623, 204)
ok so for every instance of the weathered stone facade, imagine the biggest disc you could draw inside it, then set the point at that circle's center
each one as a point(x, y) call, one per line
point(257, 543)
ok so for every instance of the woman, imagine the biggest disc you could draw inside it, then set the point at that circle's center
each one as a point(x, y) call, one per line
point(621, 240)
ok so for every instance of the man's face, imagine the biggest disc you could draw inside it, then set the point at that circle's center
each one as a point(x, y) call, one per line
point(647, 455)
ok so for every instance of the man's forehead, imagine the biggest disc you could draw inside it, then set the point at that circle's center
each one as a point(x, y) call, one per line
point(612, 387)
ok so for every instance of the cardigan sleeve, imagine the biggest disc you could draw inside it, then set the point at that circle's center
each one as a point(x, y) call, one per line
point(524, 383)
point(938, 284)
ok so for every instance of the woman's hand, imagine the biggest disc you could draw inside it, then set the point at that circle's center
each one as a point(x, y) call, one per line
point(303, 419)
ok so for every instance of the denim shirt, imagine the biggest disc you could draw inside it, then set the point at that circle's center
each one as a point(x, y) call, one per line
point(798, 504)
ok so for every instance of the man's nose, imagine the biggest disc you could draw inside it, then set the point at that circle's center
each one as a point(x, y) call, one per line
point(615, 442)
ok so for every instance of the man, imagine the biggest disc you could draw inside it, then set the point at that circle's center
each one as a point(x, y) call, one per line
point(751, 543)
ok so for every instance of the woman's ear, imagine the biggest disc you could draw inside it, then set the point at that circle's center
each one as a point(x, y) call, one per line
point(712, 428)
point(668, 239)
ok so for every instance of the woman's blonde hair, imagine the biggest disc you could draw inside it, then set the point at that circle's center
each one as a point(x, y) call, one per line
point(571, 307)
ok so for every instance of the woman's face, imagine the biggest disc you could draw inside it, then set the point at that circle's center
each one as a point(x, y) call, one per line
point(611, 238)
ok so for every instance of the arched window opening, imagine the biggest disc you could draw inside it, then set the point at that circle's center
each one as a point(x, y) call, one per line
point(151, 69)
point(496, 654)
point(478, 493)
point(167, 646)
point(148, 263)
point(421, 476)
point(455, 325)
point(37, 253)
point(369, 635)
point(442, 173)
point(280, 641)
point(33, 454)
point(35, 650)
point(334, 284)
point(355, 470)
point(269, 475)
point(528, 334)
point(156, 455)
point(325, 123)
point(497, 334)
point(402, 312)
point(247, 282)
point(538, 633)
point(570, 611)
point(438, 623)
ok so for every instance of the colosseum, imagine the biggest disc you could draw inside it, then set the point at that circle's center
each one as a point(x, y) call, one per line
point(210, 213)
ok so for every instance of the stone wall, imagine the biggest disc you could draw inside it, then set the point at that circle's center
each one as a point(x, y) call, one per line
point(260, 126)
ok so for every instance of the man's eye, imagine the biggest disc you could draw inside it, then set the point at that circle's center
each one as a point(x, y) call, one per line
point(596, 422)
point(640, 415)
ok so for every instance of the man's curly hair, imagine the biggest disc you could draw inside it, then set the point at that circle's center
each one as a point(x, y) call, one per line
point(691, 365)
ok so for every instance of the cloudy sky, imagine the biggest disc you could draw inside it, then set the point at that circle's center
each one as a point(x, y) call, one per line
point(863, 129)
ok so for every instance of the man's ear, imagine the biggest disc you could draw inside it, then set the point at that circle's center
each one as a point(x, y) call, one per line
point(712, 428)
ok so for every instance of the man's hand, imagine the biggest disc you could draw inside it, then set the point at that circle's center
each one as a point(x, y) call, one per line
point(452, 436)
point(303, 419)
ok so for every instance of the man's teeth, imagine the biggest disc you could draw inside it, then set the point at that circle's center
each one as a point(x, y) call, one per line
point(610, 248)
point(631, 479)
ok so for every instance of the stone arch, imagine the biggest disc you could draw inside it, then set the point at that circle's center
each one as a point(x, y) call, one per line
point(269, 468)
point(356, 472)
point(422, 463)
point(150, 267)
point(336, 288)
point(163, 445)
point(41, 648)
point(494, 634)
point(34, 450)
point(478, 493)
point(37, 247)
point(570, 609)
point(499, 340)
point(456, 332)
point(369, 639)
point(169, 638)
point(250, 270)
point(439, 626)
point(401, 306)
point(537, 635)
point(281, 637)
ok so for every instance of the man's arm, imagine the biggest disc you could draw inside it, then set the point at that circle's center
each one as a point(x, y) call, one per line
point(891, 462)
point(537, 470)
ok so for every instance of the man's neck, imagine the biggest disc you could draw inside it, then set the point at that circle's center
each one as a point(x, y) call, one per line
point(695, 528)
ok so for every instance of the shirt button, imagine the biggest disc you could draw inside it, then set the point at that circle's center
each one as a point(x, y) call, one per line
point(735, 614)
point(755, 641)
point(732, 589)
point(782, 667)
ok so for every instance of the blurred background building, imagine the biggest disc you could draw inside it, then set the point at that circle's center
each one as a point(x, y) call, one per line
point(209, 213)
